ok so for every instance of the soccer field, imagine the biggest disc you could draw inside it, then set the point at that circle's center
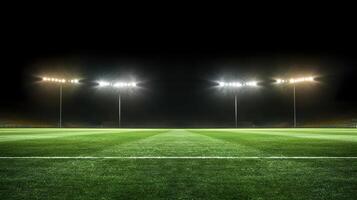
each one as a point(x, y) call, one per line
point(178, 164)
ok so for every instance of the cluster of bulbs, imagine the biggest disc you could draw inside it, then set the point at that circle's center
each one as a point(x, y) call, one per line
point(295, 80)
point(57, 80)
point(117, 84)
point(255, 83)
point(238, 84)
point(100, 83)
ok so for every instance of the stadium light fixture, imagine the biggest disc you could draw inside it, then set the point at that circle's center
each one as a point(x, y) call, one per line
point(118, 85)
point(237, 85)
point(60, 82)
point(294, 81)
point(124, 84)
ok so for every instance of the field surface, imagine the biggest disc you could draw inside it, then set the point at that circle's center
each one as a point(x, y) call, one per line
point(178, 164)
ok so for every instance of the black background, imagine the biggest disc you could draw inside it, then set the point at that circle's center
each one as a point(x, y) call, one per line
point(177, 61)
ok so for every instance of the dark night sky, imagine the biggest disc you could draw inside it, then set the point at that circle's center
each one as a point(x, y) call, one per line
point(177, 68)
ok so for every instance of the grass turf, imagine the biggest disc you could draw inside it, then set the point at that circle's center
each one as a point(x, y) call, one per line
point(178, 178)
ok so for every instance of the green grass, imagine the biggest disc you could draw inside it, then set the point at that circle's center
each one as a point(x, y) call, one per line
point(178, 178)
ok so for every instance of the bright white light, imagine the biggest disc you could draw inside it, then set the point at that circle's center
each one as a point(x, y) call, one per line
point(230, 84)
point(238, 84)
point(119, 84)
point(280, 81)
point(252, 83)
point(124, 84)
point(103, 83)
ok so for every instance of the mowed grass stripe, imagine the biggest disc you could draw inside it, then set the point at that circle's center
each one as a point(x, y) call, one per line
point(284, 145)
point(339, 134)
point(179, 142)
point(55, 134)
point(64, 133)
point(311, 135)
point(75, 145)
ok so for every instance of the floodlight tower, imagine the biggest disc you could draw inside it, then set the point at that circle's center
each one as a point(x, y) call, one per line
point(236, 86)
point(60, 82)
point(294, 81)
point(120, 86)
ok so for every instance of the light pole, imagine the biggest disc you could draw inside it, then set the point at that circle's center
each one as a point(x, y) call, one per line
point(60, 82)
point(235, 110)
point(119, 110)
point(294, 81)
point(236, 86)
point(120, 86)
point(60, 113)
point(294, 105)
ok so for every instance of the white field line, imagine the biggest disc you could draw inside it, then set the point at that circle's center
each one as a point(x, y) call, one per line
point(179, 157)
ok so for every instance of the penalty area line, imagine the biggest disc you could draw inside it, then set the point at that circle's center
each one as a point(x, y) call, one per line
point(178, 157)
